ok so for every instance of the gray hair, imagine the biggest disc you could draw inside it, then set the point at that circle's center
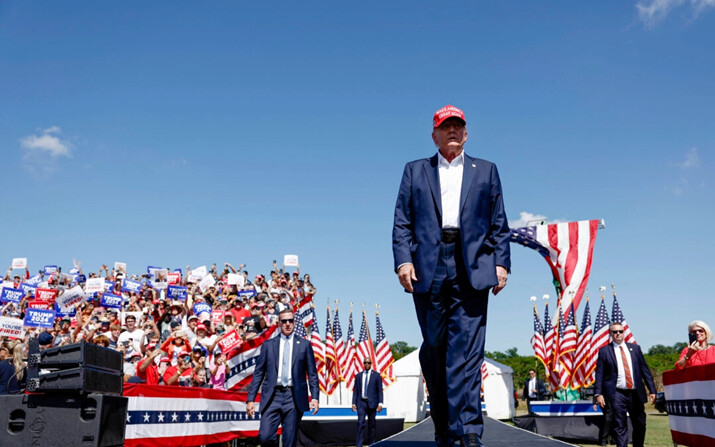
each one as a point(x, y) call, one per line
point(697, 323)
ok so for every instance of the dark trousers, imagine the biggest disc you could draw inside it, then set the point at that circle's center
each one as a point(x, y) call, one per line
point(628, 401)
point(281, 411)
point(605, 431)
point(362, 412)
point(453, 318)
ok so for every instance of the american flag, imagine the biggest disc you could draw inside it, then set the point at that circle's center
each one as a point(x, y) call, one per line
point(537, 340)
point(582, 376)
point(319, 352)
point(332, 374)
point(383, 354)
point(617, 317)
point(601, 336)
point(299, 328)
point(340, 353)
point(567, 345)
point(549, 345)
point(163, 416)
point(241, 362)
point(351, 356)
point(364, 346)
point(568, 249)
point(304, 311)
point(485, 374)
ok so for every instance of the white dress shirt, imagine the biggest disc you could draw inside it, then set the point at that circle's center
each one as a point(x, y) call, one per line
point(283, 339)
point(450, 185)
point(532, 387)
point(621, 381)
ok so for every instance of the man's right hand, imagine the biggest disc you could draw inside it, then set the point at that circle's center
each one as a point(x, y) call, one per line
point(406, 275)
point(250, 409)
point(600, 401)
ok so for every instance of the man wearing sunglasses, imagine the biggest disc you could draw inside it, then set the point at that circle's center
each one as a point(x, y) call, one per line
point(620, 372)
point(367, 401)
point(283, 365)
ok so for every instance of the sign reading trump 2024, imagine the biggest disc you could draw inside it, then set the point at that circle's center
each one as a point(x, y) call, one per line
point(113, 301)
point(129, 285)
point(40, 318)
point(177, 293)
point(10, 295)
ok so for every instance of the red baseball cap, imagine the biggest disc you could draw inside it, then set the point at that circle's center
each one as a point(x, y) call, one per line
point(446, 112)
point(164, 359)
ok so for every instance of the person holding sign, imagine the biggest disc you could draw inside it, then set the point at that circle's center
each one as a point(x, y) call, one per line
point(450, 242)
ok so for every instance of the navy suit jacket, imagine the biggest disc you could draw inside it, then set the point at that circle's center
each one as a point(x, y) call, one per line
point(374, 389)
point(417, 229)
point(302, 366)
point(607, 373)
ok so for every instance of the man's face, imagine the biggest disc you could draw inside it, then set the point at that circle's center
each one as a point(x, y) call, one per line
point(450, 135)
point(617, 333)
point(367, 364)
point(131, 322)
point(532, 374)
point(192, 323)
point(287, 323)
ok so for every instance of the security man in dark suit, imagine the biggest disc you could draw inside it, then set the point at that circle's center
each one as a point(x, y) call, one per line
point(450, 243)
point(620, 372)
point(534, 389)
point(367, 401)
point(282, 367)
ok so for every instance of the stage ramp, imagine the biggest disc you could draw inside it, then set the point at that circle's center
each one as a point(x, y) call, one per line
point(496, 434)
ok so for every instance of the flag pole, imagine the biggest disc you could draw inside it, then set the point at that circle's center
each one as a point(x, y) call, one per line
point(337, 361)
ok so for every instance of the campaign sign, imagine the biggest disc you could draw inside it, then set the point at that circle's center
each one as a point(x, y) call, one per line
point(198, 274)
point(50, 269)
point(40, 318)
point(11, 327)
point(27, 288)
point(217, 317)
point(108, 285)
point(150, 270)
point(71, 298)
point(207, 282)
point(174, 277)
point(290, 260)
point(19, 263)
point(200, 308)
point(94, 285)
point(231, 341)
point(247, 293)
point(177, 293)
point(65, 312)
point(46, 295)
point(74, 271)
point(36, 304)
point(113, 301)
point(10, 295)
point(81, 278)
point(34, 280)
point(129, 285)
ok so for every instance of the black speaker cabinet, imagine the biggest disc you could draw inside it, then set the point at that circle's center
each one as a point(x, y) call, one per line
point(49, 420)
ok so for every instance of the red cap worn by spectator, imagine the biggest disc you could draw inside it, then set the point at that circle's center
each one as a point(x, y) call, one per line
point(200, 327)
point(445, 113)
point(165, 359)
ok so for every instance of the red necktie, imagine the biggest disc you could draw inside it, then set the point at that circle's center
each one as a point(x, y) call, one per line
point(626, 369)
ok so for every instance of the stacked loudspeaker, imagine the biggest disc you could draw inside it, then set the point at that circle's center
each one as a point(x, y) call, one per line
point(76, 399)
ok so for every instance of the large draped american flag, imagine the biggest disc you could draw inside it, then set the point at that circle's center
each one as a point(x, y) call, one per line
point(568, 249)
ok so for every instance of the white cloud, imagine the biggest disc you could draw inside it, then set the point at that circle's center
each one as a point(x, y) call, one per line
point(47, 143)
point(692, 159)
point(42, 150)
point(652, 12)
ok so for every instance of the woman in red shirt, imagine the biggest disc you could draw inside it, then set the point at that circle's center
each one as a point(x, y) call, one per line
point(699, 352)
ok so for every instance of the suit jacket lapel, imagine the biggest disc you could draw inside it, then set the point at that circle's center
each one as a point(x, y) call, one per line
point(467, 178)
point(294, 356)
point(432, 172)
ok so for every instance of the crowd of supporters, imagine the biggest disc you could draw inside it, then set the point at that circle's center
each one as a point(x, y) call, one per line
point(164, 341)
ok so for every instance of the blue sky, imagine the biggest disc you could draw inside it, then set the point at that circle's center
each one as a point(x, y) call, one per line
point(171, 134)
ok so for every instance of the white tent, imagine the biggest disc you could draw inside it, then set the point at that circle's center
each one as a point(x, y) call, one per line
point(407, 397)
point(499, 390)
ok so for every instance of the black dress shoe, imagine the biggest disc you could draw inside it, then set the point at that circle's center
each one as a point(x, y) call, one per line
point(471, 440)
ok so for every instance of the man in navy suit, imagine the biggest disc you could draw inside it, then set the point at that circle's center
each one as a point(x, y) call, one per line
point(620, 372)
point(534, 389)
point(282, 368)
point(367, 401)
point(450, 243)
